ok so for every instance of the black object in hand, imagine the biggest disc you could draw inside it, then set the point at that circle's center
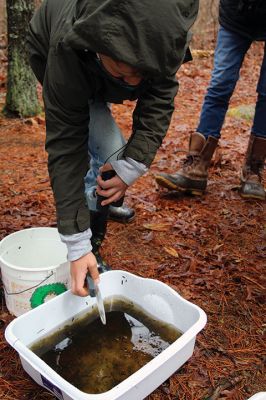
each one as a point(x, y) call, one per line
point(106, 175)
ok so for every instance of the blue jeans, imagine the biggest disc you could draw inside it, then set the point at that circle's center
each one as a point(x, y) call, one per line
point(228, 58)
point(105, 142)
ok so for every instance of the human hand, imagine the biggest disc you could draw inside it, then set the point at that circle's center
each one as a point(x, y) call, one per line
point(79, 269)
point(113, 189)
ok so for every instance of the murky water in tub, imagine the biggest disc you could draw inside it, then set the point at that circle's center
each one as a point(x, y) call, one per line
point(96, 357)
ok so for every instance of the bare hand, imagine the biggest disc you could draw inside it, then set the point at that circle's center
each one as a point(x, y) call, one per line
point(79, 269)
point(113, 189)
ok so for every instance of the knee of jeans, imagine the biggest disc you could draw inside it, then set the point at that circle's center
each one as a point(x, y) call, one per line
point(96, 163)
point(223, 83)
point(221, 92)
point(93, 172)
point(91, 198)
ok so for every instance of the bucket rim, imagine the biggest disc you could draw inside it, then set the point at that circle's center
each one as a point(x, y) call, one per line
point(27, 269)
point(34, 228)
point(41, 228)
point(4, 263)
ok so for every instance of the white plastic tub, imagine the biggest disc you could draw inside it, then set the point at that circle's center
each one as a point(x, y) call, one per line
point(34, 268)
point(258, 396)
point(153, 296)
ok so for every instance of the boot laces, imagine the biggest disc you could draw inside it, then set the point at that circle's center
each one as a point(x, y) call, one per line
point(190, 160)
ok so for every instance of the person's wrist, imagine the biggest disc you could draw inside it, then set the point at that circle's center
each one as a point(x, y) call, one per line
point(78, 244)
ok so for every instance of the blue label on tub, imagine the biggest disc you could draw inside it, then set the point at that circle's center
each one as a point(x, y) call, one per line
point(54, 389)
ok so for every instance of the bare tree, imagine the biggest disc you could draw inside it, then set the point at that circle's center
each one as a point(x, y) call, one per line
point(206, 26)
point(21, 98)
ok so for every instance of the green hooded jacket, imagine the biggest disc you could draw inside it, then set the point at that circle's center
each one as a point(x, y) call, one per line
point(64, 37)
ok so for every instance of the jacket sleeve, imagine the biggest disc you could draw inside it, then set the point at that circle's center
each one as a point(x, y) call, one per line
point(65, 92)
point(37, 44)
point(151, 119)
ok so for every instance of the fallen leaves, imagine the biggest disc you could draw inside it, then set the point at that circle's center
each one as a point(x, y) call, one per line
point(202, 53)
point(160, 227)
point(211, 249)
point(171, 251)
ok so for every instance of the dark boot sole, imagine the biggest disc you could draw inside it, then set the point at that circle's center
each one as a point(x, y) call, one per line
point(121, 220)
point(252, 197)
point(166, 183)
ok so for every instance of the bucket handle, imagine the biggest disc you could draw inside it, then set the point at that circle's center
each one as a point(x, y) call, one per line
point(32, 287)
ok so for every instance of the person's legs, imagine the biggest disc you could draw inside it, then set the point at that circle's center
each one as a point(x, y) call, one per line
point(252, 170)
point(105, 141)
point(259, 123)
point(228, 58)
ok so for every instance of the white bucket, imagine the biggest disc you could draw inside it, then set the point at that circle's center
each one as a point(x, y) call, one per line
point(258, 396)
point(34, 268)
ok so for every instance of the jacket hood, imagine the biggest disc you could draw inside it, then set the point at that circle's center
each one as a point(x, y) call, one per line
point(151, 35)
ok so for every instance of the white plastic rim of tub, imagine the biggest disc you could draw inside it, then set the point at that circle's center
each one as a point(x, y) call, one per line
point(156, 364)
point(258, 396)
point(29, 237)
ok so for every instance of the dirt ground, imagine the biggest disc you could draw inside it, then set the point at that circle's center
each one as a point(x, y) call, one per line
point(210, 249)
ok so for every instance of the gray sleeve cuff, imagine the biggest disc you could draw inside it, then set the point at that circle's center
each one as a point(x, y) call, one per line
point(78, 244)
point(128, 169)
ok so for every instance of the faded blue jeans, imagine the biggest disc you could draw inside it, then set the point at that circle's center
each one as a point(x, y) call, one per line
point(105, 142)
point(228, 58)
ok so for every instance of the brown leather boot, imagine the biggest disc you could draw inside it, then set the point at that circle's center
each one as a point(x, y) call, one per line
point(192, 177)
point(252, 170)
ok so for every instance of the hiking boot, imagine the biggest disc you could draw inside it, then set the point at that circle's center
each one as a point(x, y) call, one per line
point(98, 222)
point(121, 214)
point(192, 177)
point(252, 170)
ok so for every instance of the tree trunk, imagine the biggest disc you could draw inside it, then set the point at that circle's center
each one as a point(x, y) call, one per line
point(21, 98)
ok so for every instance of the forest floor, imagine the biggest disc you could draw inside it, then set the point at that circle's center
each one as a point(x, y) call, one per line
point(211, 250)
